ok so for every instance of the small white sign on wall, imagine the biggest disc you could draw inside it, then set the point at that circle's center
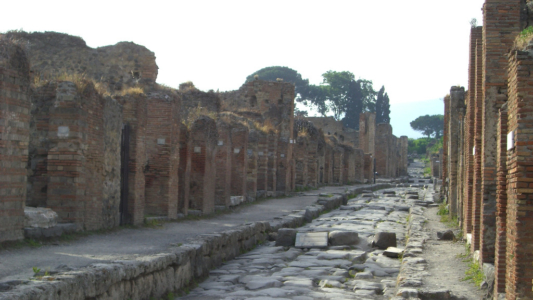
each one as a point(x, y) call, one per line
point(260, 153)
point(474, 150)
point(510, 140)
point(220, 143)
point(63, 131)
point(282, 155)
point(236, 150)
point(197, 149)
point(160, 141)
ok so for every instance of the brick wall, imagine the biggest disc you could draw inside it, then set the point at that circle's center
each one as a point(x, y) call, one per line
point(14, 138)
point(454, 112)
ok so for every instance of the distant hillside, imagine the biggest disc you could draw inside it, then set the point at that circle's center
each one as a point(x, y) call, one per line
point(403, 113)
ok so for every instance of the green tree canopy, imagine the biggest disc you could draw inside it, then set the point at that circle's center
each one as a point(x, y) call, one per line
point(339, 94)
point(429, 125)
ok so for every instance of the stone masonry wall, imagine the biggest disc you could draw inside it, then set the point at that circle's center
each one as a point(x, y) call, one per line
point(119, 66)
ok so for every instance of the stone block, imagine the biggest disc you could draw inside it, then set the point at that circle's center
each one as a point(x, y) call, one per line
point(312, 240)
point(446, 235)
point(384, 240)
point(393, 252)
point(341, 238)
point(40, 217)
point(286, 237)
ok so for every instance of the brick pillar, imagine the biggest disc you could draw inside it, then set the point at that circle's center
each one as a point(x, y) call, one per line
point(162, 147)
point(445, 140)
point(349, 165)
point(272, 162)
point(67, 190)
point(262, 161)
point(252, 168)
point(312, 161)
point(239, 153)
point(184, 170)
point(404, 145)
point(383, 146)
point(223, 164)
point(501, 21)
point(203, 145)
point(369, 167)
point(300, 157)
point(519, 273)
point(456, 104)
point(501, 204)
point(367, 132)
point(476, 150)
point(475, 53)
point(359, 165)
point(14, 139)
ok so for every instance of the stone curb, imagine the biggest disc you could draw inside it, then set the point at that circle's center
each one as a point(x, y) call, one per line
point(157, 275)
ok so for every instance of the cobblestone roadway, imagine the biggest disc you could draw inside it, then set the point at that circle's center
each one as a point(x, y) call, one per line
point(339, 272)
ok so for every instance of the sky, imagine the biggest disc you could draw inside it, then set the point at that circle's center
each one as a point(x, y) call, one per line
point(417, 49)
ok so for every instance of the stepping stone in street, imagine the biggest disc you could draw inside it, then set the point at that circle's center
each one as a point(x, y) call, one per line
point(389, 193)
point(366, 191)
point(368, 196)
point(312, 240)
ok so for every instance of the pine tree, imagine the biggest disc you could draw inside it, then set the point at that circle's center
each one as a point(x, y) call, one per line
point(382, 107)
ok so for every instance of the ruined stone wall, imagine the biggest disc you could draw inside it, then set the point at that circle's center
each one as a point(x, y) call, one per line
point(332, 127)
point(162, 140)
point(252, 169)
point(119, 66)
point(14, 138)
point(359, 165)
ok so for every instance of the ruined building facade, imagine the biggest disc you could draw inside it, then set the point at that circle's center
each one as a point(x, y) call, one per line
point(487, 168)
point(112, 147)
